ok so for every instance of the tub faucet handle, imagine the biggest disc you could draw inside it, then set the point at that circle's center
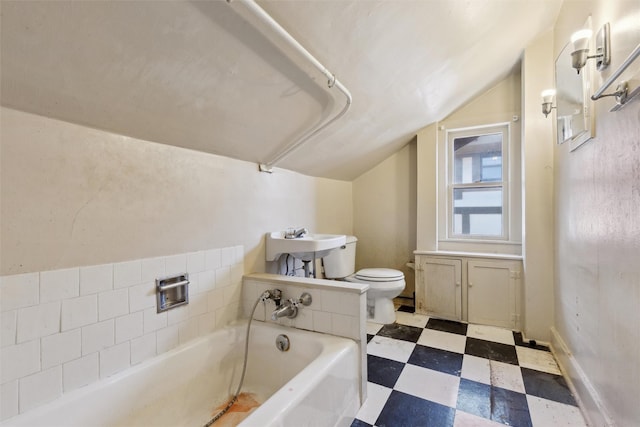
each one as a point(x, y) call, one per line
point(305, 299)
point(274, 294)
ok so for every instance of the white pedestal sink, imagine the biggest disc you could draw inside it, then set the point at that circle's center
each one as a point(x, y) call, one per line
point(306, 248)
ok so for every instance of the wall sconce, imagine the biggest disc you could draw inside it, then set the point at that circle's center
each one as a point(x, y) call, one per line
point(580, 54)
point(548, 96)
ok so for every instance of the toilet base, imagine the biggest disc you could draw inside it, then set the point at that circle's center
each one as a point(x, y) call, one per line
point(381, 310)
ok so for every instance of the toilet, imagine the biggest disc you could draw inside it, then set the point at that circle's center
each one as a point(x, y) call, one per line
point(384, 283)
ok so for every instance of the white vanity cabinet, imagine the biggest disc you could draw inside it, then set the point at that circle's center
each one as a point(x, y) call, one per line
point(477, 289)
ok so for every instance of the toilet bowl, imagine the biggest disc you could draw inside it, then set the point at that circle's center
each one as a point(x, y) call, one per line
point(384, 283)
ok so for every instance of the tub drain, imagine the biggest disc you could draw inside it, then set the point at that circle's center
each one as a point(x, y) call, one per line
point(282, 342)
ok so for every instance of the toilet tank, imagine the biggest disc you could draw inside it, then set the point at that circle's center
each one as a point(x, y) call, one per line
point(341, 262)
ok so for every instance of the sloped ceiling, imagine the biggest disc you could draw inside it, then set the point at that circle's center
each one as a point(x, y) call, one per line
point(200, 76)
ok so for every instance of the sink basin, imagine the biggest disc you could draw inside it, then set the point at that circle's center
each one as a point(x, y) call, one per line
point(305, 248)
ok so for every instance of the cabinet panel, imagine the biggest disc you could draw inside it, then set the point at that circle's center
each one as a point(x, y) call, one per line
point(440, 290)
point(492, 293)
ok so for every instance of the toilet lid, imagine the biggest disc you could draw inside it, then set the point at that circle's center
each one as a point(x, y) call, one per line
point(379, 275)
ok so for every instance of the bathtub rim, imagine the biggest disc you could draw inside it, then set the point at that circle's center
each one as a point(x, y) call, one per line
point(75, 396)
point(331, 353)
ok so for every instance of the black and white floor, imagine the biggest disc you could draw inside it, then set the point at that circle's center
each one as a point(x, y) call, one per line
point(429, 372)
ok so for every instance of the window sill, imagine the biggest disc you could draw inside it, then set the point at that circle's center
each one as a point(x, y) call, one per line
point(480, 247)
point(458, 254)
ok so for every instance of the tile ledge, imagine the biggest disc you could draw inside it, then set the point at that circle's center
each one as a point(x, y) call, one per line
point(308, 282)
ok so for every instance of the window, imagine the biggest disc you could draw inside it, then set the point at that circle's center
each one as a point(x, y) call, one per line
point(477, 182)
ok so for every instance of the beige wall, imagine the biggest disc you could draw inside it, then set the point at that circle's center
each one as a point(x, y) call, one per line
point(395, 203)
point(499, 102)
point(597, 192)
point(537, 161)
point(75, 196)
point(497, 105)
point(384, 214)
point(427, 189)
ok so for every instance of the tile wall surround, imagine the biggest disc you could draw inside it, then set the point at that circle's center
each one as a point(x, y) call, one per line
point(338, 308)
point(64, 329)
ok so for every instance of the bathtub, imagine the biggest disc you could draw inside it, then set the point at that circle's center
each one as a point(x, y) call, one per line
point(314, 383)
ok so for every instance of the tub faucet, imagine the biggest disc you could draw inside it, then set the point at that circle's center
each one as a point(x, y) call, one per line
point(290, 307)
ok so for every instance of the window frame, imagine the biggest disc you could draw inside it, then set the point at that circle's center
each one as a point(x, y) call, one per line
point(450, 136)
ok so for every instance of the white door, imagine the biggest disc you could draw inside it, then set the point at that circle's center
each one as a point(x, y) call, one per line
point(441, 293)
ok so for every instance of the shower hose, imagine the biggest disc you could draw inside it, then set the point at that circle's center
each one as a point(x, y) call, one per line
point(233, 400)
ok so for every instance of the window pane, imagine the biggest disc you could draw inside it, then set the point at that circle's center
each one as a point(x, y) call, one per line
point(477, 158)
point(492, 168)
point(477, 211)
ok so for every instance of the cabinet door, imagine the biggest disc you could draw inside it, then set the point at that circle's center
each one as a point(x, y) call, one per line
point(441, 293)
point(492, 293)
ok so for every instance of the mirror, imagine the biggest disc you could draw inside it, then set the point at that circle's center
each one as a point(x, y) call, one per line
point(573, 102)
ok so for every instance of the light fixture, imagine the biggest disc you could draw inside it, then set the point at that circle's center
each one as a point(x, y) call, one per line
point(580, 54)
point(548, 95)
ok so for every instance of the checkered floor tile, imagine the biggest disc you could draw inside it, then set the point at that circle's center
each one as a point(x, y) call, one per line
point(430, 372)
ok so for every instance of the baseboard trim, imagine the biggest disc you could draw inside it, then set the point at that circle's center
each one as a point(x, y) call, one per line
point(539, 342)
point(587, 397)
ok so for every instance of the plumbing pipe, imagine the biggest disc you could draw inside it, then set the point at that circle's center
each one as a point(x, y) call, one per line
point(266, 19)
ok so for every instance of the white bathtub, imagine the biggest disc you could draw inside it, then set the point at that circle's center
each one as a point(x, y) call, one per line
point(315, 383)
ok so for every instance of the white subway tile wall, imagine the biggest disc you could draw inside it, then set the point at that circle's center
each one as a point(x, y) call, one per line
point(96, 278)
point(176, 264)
point(168, 338)
point(333, 311)
point(129, 327)
point(80, 372)
point(152, 269)
point(128, 273)
point(8, 327)
point(114, 359)
point(59, 284)
point(9, 401)
point(60, 348)
point(77, 312)
point(38, 321)
point(98, 336)
point(18, 361)
point(113, 304)
point(20, 290)
point(39, 388)
point(143, 348)
point(64, 329)
point(195, 262)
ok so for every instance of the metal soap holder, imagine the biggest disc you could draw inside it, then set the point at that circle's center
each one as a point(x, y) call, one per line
point(172, 292)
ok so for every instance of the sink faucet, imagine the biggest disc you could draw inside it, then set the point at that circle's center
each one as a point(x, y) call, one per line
point(295, 234)
point(300, 232)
